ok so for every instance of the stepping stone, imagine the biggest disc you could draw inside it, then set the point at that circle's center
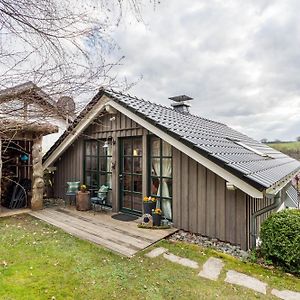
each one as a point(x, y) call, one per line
point(182, 261)
point(286, 295)
point(246, 281)
point(156, 252)
point(212, 268)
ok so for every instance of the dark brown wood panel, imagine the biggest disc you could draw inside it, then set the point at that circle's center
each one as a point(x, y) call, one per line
point(184, 193)
point(211, 204)
point(193, 201)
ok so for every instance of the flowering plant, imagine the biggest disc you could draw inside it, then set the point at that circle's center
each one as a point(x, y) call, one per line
point(157, 211)
point(149, 199)
point(83, 188)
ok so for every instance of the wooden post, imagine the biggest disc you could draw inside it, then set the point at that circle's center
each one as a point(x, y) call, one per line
point(37, 174)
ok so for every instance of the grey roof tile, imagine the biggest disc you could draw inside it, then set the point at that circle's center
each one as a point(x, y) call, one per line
point(217, 141)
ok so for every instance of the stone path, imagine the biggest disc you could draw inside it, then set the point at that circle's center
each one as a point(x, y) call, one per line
point(212, 268)
point(286, 295)
point(246, 281)
point(182, 261)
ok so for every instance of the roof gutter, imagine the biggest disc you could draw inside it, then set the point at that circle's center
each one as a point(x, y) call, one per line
point(275, 204)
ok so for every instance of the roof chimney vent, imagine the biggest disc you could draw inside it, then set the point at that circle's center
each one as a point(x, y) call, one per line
point(180, 103)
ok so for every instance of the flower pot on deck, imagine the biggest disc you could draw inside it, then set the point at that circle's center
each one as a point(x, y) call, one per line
point(156, 219)
point(148, 206)
point(83, 201)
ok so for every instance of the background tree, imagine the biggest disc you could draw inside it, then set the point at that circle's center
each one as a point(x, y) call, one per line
point(64, 47)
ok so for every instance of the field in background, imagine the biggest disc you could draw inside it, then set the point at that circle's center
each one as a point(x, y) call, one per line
point(290, 148)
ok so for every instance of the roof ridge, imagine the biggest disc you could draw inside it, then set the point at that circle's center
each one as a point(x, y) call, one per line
point(164, 106)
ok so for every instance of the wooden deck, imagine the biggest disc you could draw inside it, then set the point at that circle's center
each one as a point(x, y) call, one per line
point(5, 212)
point(119, 236)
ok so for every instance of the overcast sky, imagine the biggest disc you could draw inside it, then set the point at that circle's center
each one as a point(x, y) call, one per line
point(239, 61)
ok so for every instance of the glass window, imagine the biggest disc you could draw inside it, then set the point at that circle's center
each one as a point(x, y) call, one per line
point(161, 174)
point(97, 166)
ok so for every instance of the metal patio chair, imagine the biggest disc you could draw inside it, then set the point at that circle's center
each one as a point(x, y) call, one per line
point(100, 199)
point(72, 190)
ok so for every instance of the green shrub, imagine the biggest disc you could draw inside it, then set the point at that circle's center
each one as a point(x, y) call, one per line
point(280, 236)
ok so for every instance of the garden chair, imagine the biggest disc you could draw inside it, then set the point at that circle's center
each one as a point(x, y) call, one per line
point(72, 190)
point(100, 198)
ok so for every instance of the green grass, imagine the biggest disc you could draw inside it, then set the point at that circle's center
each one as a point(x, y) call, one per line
point(38, 261)
point(287, 146)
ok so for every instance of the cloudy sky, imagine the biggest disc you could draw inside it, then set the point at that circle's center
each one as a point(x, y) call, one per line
point(239, 60)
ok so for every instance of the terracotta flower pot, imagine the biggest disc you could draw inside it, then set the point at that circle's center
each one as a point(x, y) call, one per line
point(148, 206)
point(83, 201)
point(156, 219)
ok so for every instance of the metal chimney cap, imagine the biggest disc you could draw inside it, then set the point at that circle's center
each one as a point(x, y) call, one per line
point(181, 98)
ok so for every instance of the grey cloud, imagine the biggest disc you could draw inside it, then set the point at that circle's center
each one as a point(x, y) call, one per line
point(240, 61)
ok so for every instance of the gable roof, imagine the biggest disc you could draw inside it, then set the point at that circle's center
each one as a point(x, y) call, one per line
point(30, 90)
point(255, 163)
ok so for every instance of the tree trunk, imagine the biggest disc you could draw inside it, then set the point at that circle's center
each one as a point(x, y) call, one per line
point(37, 175)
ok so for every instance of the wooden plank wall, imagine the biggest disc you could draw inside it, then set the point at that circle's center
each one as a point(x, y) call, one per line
point(202, 204)
point(70, 165)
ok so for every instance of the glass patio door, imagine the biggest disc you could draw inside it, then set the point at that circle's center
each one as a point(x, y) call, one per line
point(131, 178)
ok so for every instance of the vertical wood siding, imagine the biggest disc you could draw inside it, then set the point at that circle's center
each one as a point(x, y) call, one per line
point(202, 204)
point(70, 165)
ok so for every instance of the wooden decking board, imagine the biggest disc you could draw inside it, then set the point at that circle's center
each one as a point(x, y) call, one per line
point(108, 234)
point(122, 237)
point(85, 235)
point(126, 228)
point(105, 225)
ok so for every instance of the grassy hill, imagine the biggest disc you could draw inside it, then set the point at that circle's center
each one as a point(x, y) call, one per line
point(290, 148)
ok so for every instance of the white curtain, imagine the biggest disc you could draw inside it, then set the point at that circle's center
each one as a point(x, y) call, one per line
point(166, 203)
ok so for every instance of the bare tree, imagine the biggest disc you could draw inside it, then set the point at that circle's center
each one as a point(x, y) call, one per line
point(64, 47)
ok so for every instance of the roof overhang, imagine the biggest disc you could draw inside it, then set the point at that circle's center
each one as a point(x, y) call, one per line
point(239, 183)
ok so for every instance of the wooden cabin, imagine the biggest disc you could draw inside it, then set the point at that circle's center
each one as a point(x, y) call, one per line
point(209, 178)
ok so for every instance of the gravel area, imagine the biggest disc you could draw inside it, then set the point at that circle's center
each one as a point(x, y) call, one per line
point(210, 243)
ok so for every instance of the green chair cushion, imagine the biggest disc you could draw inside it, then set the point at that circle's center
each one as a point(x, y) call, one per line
point(73, 187)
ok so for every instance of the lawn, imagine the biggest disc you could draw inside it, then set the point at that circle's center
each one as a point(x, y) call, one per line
point(286, 146)
point(38, 261)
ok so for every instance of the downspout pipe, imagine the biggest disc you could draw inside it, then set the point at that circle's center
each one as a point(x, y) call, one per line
point(275, 204)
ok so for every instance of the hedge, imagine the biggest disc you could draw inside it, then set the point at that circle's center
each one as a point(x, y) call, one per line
point(280, 237)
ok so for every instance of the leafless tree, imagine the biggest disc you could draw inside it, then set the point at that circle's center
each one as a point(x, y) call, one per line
point(64, 47)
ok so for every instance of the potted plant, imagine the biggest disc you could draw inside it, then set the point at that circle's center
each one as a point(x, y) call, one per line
point(83, 199)
point(156, 216)
point(149, 204)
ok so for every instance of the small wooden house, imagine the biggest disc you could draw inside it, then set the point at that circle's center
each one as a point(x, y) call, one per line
point(209, 178)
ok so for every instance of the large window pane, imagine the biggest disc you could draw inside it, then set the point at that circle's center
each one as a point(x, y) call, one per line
point(167, 167)
point(161, 174)
point(155, 146)
point(127, 147)
point(155, 167)
point(155, 185)
point(127, 165)
point(137, 183)
point(127, 182)
point(137, 165)
point(137, 148)
point(167, 149)
point(166, 187)
point(97, 166)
